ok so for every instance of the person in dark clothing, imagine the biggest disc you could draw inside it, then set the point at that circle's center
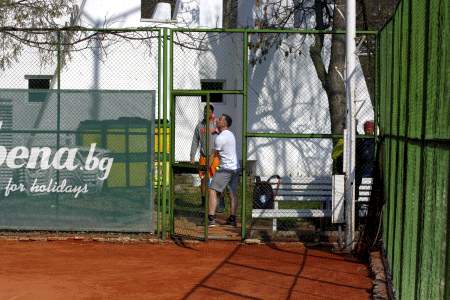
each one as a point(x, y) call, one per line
point(365, 151)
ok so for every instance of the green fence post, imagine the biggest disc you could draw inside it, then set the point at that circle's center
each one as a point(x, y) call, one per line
point(172, 137)
point(158, 152)
point(172, 161)
point(205, 218)
point(164, 191)
point(244, 136)
point(58, 111)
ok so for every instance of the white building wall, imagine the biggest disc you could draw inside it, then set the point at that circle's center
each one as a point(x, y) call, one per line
point(211, 13)
point(285, 94)
point(117, 66)
point(219, 59)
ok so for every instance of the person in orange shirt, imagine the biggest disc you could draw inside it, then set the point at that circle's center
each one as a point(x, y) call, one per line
point(199, 141)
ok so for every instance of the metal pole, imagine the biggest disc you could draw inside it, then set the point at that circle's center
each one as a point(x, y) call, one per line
point(206, 208)
point(350, 133)
point(169, 78)
point(58, 111)
point(244, 137)
point(158, 150)
point(164, 190)
point(171, 174)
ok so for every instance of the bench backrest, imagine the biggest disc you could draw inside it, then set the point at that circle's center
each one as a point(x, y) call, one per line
point(314, 189)
point(303, 189)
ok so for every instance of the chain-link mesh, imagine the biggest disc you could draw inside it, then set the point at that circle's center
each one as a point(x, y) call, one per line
point(414, 159)
point(206, 60)
point(108, 85)
point(290, 186)
point(191, 181)
point(285, 93)
point(297, 100)
point(366, 127)
point(189, 198)
point(295, 118)
point(79, 136)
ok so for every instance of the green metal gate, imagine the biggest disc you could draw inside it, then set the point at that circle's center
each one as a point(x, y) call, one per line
point(189, 213)
point(181, 87)
point(188, 210)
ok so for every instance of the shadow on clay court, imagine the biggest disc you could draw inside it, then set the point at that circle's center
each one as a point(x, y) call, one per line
point(180, 242)
point(250, 272)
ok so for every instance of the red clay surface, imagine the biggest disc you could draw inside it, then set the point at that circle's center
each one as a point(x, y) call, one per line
point(214, 270)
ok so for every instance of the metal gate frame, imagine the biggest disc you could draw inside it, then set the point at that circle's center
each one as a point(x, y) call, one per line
point(174, 164)
point(168, 94)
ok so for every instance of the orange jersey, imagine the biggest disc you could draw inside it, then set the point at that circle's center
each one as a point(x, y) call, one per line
point(213, 167)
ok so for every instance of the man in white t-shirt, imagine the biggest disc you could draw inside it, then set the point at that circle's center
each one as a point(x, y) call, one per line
point(228, 172)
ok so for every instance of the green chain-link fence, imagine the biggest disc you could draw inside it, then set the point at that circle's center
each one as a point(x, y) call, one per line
point(415, 131)
point(78, 123)
point(267, 82)
point(294, 135)
point(125, 90)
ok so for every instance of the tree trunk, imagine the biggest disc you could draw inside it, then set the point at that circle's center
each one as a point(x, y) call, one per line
point(332, 80)
point(335, 87)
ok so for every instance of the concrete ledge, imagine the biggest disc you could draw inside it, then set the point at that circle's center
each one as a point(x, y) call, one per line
point(124, 238)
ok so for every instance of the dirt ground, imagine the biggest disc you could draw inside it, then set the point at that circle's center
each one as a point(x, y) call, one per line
point(214, 270)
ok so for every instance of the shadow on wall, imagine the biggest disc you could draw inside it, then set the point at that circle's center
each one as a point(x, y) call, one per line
point(285, 96)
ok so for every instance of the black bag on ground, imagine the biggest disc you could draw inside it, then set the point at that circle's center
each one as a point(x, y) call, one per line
point(264, 194)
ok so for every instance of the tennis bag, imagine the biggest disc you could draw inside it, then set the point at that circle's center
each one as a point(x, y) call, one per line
point(264, 194)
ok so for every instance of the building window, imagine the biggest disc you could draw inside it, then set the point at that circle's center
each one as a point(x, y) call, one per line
point(214, 85)
point(148, 7)
point(38, 86)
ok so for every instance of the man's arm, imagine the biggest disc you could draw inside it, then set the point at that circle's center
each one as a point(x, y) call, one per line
point(195, 143)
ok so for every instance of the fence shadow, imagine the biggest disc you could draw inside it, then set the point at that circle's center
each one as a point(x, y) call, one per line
point(270, 271)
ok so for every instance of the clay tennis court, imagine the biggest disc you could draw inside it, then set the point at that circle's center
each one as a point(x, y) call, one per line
point(74, 269)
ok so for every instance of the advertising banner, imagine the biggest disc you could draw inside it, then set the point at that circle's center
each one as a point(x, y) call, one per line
point(77, 160)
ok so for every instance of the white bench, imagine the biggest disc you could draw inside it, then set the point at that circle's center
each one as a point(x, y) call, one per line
point(307, 189)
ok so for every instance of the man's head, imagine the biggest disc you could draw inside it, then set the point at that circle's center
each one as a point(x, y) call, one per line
point(224, 122)
point(369, 127)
